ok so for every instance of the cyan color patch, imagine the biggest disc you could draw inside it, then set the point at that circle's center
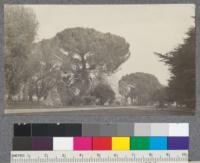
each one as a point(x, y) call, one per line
point(158, 143)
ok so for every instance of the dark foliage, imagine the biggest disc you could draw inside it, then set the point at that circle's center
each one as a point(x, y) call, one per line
point(104, 93)
point(181, 62)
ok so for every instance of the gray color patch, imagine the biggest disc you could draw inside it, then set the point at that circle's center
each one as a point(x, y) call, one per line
point(108, 129)
point(125, 129)
point(90, 129)
point(142, 129)
point(159, 129)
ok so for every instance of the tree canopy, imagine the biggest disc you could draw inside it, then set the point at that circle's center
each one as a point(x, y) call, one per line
point(74, 61)
point(92, 52)
point(103, 50)
point(20, 26)
point(139, 87)
point(181, 62)
point(43, 69)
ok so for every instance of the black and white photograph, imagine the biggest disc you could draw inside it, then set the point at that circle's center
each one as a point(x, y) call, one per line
point(100, 59)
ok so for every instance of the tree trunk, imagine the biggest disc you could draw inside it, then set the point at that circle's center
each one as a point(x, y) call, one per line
point(101, 101)
point(30, 94)
point(126, 100)
point(30, 97)
point(10, 97)
point(132, 101)
point(84, 76)
point(84, 70)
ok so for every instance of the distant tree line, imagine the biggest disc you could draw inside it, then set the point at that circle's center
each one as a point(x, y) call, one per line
point(139, 88)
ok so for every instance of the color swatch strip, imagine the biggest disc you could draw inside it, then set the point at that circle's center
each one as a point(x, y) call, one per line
point(100, 143)
point(122, 129)
point(123, 136)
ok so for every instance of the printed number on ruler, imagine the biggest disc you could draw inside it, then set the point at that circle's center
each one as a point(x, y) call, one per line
point(178, 156)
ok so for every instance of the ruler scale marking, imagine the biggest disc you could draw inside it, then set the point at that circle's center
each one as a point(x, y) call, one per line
point(99, 156)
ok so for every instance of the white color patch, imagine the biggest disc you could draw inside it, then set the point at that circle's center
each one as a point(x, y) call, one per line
point(178, 129)
point(62, 143)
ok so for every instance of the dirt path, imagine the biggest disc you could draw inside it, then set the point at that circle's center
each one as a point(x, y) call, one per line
point(127, 110)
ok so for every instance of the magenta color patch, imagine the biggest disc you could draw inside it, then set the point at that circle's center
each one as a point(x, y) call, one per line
point(82, 143)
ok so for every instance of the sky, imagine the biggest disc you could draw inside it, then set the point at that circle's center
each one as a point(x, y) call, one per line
point(147, 28)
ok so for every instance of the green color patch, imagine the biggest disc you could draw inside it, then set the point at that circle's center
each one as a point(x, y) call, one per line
point(140, 143)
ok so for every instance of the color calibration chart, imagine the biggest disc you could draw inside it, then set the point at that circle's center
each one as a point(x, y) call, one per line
point(101, 143)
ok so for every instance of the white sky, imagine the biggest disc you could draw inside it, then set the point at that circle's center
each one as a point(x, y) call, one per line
point(147, 28)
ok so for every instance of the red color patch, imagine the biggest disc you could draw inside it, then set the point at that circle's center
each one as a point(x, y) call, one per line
point(102, 143)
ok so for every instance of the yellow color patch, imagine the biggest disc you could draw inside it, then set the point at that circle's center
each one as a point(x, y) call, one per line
point(120, 143)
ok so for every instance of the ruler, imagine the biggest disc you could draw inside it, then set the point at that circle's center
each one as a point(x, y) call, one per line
point(168, 156)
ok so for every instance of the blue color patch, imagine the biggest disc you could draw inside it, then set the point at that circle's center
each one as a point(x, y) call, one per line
point(158, 143)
